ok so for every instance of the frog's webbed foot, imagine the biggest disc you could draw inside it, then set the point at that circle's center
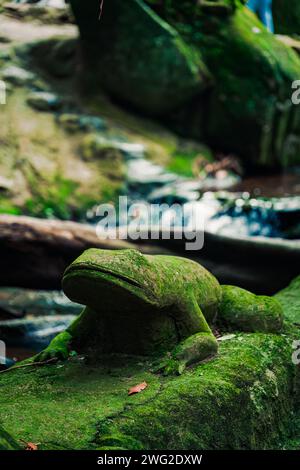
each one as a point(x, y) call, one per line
point(244, 311)
point(57, 349)
point(195, 348)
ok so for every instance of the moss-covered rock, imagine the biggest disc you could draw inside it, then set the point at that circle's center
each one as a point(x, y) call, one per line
point(242, 399)
point(59, 406)
point(141, 59)
point(56, 55)
point(249, 110)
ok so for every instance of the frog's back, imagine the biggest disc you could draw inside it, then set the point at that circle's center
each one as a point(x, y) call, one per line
point(185, 277)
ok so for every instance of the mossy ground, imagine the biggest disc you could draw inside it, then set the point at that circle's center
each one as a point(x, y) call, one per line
point(240, 400)
point(243, 399)
point(60, 406)
point(48, 175)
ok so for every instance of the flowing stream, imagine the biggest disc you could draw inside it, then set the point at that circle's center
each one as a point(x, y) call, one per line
point(266, 206)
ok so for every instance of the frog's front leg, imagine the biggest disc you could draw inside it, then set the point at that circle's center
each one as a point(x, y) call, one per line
point(59, 348)
point(194, 348)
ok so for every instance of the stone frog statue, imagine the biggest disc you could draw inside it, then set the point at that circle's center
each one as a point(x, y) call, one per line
point(158, 306)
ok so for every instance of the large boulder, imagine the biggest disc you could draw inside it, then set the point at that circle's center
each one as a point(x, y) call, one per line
point(249, 111)
point(242, 399)
point(147, 58)
point(141, 59)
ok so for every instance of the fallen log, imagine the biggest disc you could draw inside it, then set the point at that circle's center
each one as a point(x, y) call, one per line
point(35, 252)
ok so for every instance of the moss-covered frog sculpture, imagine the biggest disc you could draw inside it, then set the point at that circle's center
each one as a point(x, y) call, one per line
point(158, 306)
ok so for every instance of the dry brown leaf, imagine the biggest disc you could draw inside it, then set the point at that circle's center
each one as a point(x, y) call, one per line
point(30, 445)
point(137, 388)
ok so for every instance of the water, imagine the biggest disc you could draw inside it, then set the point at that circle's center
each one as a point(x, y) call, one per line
point(267, 206)
point(30, 319)
point(266, 217)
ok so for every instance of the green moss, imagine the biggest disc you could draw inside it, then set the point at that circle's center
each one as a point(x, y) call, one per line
point(7, 207)
point(192, 350)
point(59, 406)
point(115, 441)
point(224, 44)
point(196, 348)
point(7, 442)
point(182, 161)
point(177, 297)
point(293, 440)
point(182, 164)
point(192, 9)
point(156, 69)
point(60, 348)
point(241, 400)
point(289, 298)
point(62, 198)
point(245, 311)
point(51, 198)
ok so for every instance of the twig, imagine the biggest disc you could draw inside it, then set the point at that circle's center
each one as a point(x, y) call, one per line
point(53, 359)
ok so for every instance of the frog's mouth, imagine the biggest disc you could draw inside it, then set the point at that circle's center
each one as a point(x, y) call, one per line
point(106, 272)
point(99, 276)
